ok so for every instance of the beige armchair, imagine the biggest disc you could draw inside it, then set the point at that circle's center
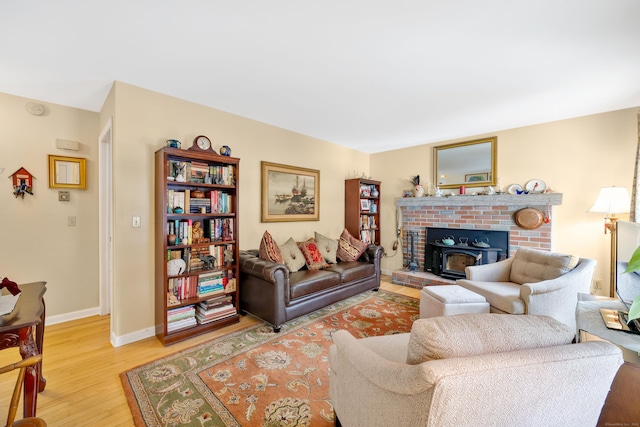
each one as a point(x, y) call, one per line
point(471, 370)
point(533, 282)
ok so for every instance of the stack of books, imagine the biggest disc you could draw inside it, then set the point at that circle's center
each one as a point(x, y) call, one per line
point(198, 171)
point(210, 284)
point(215, 309)
point(197, 204)
point(180, 318)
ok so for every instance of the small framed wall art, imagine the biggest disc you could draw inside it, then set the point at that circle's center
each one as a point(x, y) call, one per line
point(67, 172)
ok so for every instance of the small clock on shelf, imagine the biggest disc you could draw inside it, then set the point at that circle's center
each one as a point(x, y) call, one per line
point(202, 143)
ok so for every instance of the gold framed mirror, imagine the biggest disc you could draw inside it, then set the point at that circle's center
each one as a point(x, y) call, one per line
point(468, 163)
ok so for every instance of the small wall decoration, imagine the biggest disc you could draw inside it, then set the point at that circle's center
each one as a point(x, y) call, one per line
point(289, 193)
point(67, 172)
point(22, 182)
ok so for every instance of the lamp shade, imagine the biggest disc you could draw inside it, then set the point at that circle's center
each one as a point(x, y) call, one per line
point(612, 200)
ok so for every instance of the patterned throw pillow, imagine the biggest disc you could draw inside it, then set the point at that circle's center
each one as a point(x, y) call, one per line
point(350, 248)
point(312, 256)
point(269, 249)
point(328, 248)
point(292, 256)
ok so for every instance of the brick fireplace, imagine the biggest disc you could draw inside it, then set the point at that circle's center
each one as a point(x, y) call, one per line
point(494, 212)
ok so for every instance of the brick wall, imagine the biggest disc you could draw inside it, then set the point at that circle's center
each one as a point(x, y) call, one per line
point(474, 212)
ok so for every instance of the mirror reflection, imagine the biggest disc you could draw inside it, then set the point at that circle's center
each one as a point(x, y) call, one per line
point(470, 163)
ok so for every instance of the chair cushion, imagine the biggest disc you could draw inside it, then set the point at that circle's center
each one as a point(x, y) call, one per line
point(474, 334)
point(532, 265)
point(505, 296)
point(292, 256)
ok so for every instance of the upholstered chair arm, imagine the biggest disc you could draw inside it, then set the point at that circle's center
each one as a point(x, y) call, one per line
point(359, 363)
point(495, 272)
point(558, 297)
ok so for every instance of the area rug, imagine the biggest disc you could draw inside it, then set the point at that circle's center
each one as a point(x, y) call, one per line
point(255, 377)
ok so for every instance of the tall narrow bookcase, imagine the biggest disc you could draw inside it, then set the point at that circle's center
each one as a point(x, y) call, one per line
point(196, 232)
point(362, 209)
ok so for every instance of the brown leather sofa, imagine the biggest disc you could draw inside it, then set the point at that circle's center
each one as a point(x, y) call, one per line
point(269, 291)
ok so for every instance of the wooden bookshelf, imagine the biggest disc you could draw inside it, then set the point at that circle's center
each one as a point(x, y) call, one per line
point(362, 209)
point(202, 263)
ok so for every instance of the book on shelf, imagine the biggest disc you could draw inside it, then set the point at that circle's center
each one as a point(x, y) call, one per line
point(205, 315)
point(219, 229)
point(182, 324)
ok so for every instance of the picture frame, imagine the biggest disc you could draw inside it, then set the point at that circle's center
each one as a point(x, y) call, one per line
point(365, 205)
point(67, 172)
point(476, 177)
point(289, 193)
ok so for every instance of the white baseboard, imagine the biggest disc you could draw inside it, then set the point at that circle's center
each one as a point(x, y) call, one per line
point(75, 315)
point(118, 341)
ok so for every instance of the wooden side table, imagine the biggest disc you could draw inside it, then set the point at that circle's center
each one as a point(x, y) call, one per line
point(17, 330)
point(622, 407)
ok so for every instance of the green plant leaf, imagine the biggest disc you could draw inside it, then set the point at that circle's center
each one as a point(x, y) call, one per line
point(634, 310)
point(634, 262)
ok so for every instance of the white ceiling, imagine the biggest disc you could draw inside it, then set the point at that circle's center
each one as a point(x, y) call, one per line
point(373, 75)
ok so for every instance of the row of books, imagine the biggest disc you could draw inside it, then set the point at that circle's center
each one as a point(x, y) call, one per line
point(368, 222)
point(201, 286)
point(215, 201)
point(368, 236)
point(200, 173)
point(187, 231)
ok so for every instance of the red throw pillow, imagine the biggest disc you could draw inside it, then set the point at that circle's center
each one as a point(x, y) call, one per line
point(312, 255)
point(269, 249)
point(350, 248)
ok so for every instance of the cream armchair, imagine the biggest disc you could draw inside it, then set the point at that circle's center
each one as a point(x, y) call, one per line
point(471, 370)
point(533, 282)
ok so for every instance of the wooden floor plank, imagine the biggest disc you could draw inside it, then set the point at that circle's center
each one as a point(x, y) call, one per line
point(82, 368)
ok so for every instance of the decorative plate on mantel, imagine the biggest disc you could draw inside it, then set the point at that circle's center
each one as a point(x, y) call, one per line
point(535, 186)
point(514, 189)
point(529, 218)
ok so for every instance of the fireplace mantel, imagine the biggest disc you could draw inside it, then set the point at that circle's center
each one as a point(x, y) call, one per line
point(537, 199)
point(496, 212)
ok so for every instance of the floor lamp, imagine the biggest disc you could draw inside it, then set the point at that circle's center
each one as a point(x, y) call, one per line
point(612, 201)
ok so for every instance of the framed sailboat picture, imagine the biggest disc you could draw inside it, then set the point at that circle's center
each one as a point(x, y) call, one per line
point(289, 193)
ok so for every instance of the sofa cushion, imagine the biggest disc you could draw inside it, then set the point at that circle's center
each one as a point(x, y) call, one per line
point(328, 248)
point(312, 256)
point(350, 248)
point(532, 265)
point(269, 249)
point(353, 270)
point(308, 282)
point(292, 256)
point(475, 334)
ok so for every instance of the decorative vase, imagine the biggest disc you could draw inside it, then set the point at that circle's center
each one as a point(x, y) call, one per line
point(171, 239)
point(418, 191)
point(225, 150)
point(375, 192)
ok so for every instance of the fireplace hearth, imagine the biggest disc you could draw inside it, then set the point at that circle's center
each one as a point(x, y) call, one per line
point(470, 247)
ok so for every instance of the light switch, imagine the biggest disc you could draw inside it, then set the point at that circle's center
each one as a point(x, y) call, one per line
point(136, 222)
point(71, 221)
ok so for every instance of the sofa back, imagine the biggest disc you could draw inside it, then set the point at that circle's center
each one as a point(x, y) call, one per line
point(532, 265)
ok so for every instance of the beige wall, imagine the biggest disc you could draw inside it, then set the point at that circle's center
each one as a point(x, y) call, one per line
point(574, 157)
point(37, 244)
point(143, 121)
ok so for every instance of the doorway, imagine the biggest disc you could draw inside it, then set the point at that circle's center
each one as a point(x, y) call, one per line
point(105, 218)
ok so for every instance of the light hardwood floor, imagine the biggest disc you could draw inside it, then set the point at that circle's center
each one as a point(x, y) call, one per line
point(82, 369)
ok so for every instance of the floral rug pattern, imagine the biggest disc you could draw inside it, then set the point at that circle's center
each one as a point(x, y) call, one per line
point(255, 377)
